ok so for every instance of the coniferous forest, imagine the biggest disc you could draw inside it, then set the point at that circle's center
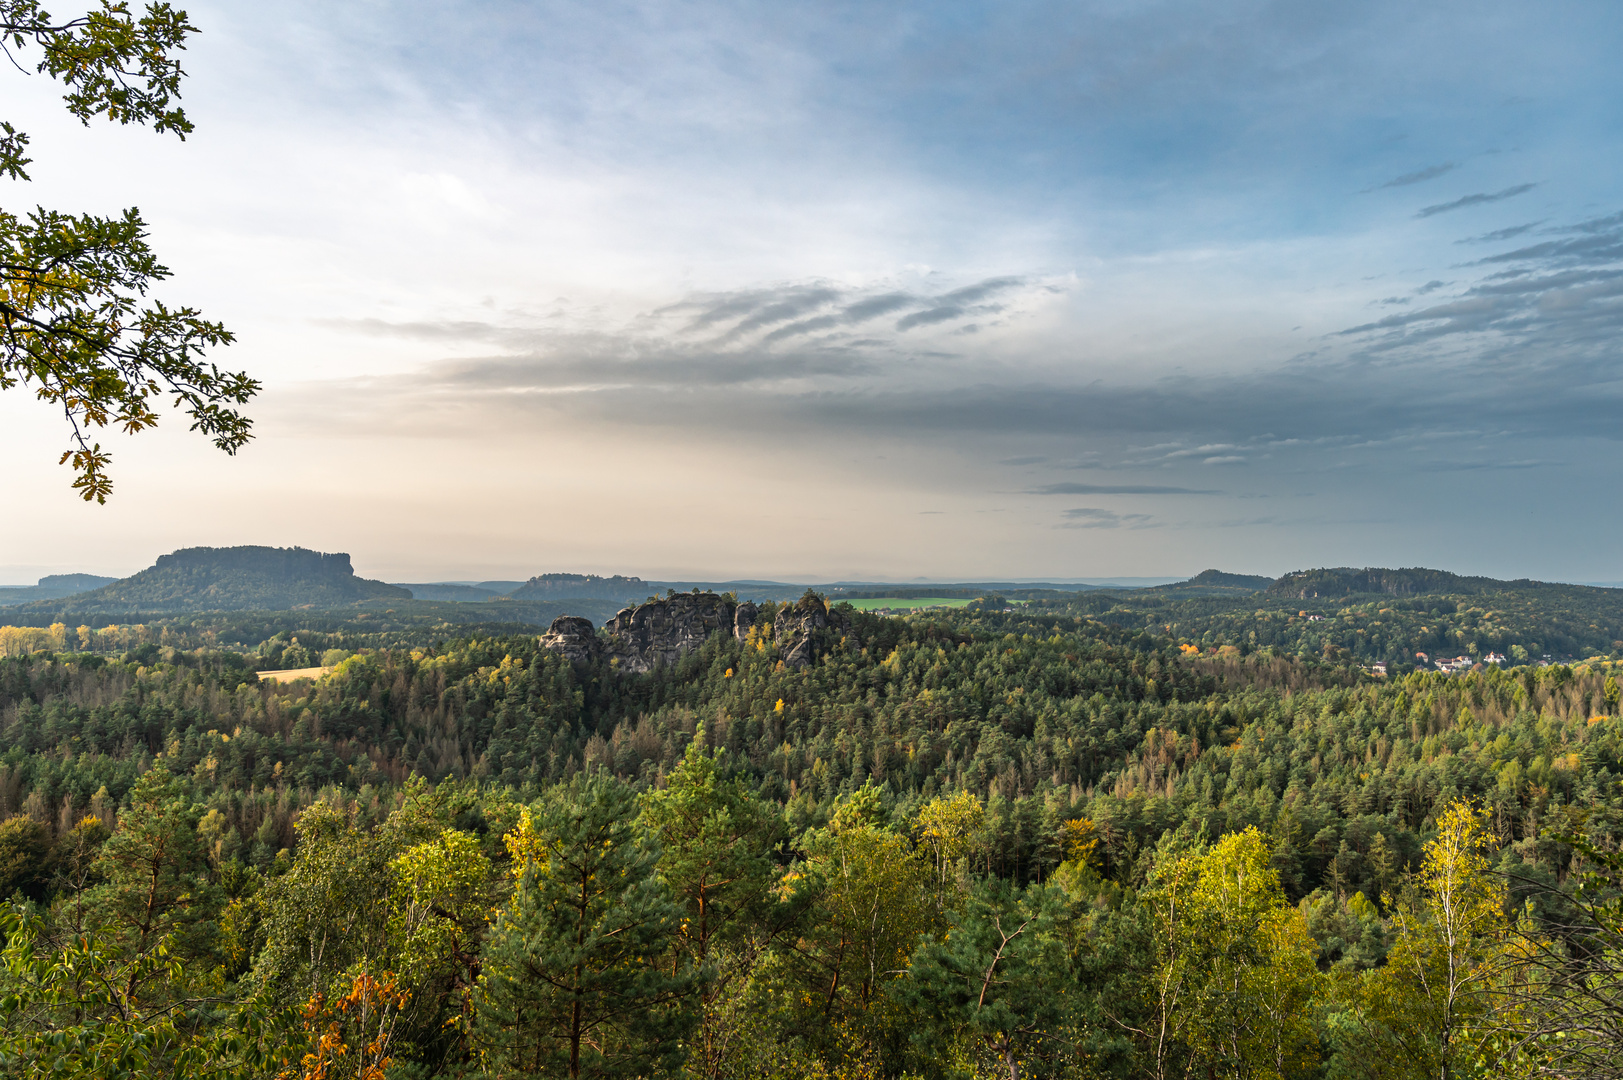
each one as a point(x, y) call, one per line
point(988, 842)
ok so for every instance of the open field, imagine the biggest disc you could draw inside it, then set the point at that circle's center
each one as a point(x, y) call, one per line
point(293, 673)
point(911, 603)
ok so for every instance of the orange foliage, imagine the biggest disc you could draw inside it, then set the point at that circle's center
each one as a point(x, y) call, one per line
point(350, 1037)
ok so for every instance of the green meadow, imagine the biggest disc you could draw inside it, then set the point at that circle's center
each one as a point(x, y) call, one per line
point(873, 603)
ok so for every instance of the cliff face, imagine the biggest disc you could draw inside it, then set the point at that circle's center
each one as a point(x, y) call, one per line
point(660, 631)
point(663, 631)
point(574, 637)
point(236, 579)
point(804, 628)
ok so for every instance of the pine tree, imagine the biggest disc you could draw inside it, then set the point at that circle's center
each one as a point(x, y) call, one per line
point(577, 974)
point(716, 839)
point(155, 893)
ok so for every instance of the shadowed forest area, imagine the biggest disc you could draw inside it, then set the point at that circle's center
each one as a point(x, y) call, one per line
point(967, 843)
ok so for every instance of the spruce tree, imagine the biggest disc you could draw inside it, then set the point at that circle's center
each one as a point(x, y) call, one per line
point(578, 975)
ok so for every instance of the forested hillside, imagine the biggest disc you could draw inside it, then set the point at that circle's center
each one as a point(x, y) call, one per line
point(230, 579)
point(1525, 623)
point(816, 872)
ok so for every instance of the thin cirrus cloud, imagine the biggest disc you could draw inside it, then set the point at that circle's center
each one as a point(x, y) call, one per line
point(1420, 176)
point(1559, 301)
point(789, 309)
point(1089, 517)
point(1118, 489)
point(1474, 200)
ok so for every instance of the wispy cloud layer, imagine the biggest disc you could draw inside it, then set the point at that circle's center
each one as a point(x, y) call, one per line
point(1475, 200)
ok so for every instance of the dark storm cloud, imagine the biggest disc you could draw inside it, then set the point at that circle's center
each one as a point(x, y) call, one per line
point(804, 326)
point(1554, 306)
point(1481, 466)
point(791, 307)
point(1597, 247)
point(1474, 200)
point(430, 331)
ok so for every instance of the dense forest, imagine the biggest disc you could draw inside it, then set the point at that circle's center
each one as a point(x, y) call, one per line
point(999, 842)
point(1525, 622)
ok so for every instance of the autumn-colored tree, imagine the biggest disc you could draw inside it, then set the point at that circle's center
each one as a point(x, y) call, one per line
point(74, 322)
point(1233, 973)
point(949, 828)
point(329, 912)
point(72, 1008)
point(870, 898)
point(351, 1037)
point(439, 901)
point(1428, 1013)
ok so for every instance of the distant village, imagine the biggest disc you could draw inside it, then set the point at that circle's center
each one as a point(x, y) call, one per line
point(1453, 665)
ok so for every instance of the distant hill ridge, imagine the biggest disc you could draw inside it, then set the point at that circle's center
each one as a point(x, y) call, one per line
point(1411, 581)
point(583, 587)
point(233, 579)
point(1340, 581)
point(53, 587)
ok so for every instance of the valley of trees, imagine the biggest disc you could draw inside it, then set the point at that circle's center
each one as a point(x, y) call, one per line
point(961, 844)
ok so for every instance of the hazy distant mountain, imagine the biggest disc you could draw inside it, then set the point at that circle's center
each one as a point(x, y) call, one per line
point(584, 587)
point(233, 579)
point(1412, 581)
point(446, 590)
point(1216, 583)
point(53, 587)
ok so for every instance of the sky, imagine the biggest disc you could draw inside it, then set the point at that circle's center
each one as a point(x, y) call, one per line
point(973, 291)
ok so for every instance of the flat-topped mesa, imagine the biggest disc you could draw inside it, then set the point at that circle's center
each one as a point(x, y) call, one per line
point(663, 631)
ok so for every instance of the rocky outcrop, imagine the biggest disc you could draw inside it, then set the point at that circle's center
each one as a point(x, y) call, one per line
point(744, 618)
point(574, 637)
point(663, 631)
point(804, 628)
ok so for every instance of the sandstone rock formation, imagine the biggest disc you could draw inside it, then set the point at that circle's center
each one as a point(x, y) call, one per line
point(574, 637)
point(662, 631)
point(803, 628)
point(744, 618)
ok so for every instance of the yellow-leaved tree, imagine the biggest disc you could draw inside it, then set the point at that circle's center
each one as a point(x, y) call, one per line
point(1233, 975)
point(1428, 1014)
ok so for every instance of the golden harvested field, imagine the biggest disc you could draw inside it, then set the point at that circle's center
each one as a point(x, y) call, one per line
point(293, 673)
